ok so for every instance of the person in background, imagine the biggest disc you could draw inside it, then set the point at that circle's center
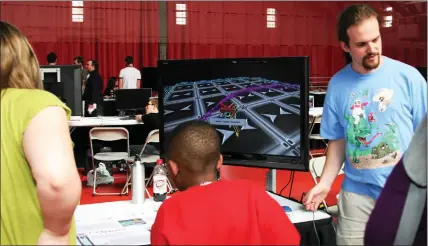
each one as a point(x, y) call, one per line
point(78, 60)
point(40, 185)
point(406, 213)
point(92, 94)
point(151, 118)
point(208, 211)
point(151, 122)
point(51, 58)
point(111, 87)
point(371, 110)
point(129, 77)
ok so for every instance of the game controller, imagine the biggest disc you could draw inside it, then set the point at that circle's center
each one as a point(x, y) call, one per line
point(287, 209)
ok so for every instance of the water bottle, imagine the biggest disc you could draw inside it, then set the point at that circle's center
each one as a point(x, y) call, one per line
point(137, 183)
point(159, 182)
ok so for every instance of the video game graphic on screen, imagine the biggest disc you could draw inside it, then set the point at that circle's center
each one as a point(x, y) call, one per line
point(252, 114)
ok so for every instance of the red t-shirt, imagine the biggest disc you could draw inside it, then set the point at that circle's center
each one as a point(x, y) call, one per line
point(223, 213)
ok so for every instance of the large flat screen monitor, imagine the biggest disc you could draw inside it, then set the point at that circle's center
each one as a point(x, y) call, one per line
point(259, 106)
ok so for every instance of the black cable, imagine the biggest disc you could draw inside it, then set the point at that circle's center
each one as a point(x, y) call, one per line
point(315, 228)
point(292, 181)
point(289, 180)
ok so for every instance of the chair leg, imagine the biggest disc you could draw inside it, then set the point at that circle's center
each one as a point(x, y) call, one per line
point(94, 192)
point(128, 173)
point(126, 187)
point(171, 189)
point(148, 193)
point(149, 179)
point(326, 147)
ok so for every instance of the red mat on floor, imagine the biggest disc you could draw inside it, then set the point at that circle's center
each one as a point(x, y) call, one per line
point(302, 183)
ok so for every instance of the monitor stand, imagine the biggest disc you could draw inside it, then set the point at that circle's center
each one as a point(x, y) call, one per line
point(271, 180)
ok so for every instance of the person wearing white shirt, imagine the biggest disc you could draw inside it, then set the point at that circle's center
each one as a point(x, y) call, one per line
point(129, 77)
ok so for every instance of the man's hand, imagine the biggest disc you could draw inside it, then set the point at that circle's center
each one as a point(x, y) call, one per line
point(91, 108)
point(315, 196)
point(139, 117)
point(49, 238)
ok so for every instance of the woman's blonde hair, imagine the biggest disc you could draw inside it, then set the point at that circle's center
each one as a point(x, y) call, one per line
point(19, 65)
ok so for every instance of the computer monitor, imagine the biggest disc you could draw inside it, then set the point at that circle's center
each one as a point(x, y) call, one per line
point(259, 106)
point(423, 71)
point(64, 81)
point(132, 99)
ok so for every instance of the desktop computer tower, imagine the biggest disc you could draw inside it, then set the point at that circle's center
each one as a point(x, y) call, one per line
point(64, 81)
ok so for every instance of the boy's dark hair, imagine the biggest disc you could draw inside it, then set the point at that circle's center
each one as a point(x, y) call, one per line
point(195, 145)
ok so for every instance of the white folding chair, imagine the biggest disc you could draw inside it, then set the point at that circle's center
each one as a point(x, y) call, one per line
point(316, 120)
point(107, 134)
point(316, 165)
point(152, 137)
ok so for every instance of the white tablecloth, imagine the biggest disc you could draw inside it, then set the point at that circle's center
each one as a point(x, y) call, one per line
point(77, 121)
point(120, 223)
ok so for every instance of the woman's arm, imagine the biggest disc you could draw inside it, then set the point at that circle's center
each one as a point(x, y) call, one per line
point(48, 149)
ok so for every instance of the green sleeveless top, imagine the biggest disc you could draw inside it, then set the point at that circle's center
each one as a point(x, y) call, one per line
point(21, 217)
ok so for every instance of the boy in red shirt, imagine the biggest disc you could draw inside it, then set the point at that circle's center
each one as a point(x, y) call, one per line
point(210, 211)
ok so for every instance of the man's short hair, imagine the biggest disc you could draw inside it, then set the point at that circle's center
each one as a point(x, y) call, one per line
point(79, 59)
point(129, 60)
point(51, 57)
point(195, 146)
point(353, 15)
point(154, 101)
point(95, 64)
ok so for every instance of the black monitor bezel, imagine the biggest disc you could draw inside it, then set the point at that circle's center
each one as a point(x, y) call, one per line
point(133, 90)
point(256, 160)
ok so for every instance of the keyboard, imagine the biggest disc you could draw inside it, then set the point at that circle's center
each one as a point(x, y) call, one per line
point(128, 117)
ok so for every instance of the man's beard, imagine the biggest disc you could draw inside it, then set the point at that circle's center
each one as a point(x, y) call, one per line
point(370, 66)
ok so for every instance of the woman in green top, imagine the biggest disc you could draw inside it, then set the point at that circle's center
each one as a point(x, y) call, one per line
point(40, 185)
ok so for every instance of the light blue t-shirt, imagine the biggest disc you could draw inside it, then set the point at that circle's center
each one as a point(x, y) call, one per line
point(377, 114)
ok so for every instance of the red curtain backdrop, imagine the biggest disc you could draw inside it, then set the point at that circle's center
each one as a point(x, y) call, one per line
point(238, 29)
point(113, 30)
point(110, 31)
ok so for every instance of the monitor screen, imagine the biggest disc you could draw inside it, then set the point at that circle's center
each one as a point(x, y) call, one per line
point(258, 106)
point(132, 99)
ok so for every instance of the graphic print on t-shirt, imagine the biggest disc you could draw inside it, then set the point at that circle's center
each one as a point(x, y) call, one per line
point(371, 136)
